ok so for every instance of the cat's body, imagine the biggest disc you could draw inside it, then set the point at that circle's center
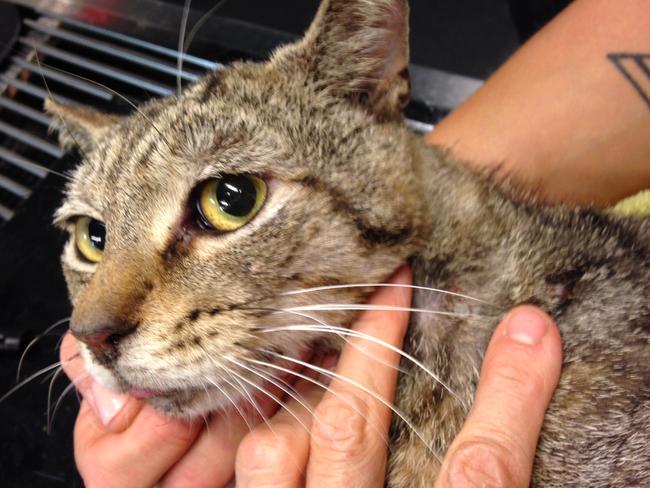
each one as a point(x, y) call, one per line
point(173, 306)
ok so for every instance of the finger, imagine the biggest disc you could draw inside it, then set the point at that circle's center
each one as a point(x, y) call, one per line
point(219, 440)
point(520, 371)
point(275, 453)
point(114, 411)
point(348, 443)
point(137, 457)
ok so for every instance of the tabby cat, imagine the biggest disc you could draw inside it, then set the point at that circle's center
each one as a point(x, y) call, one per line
point(193, 218)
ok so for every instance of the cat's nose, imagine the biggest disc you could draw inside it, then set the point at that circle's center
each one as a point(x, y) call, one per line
point(105, 339)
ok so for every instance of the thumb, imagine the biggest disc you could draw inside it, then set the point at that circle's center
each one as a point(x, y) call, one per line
point(521, 369)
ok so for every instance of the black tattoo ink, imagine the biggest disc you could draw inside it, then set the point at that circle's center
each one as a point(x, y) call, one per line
point(643, 62)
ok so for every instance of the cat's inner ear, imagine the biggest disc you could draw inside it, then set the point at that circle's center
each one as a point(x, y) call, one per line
point(357, 49)
point(79, 126)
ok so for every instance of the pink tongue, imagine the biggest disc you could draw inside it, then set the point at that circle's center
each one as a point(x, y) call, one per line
point(142, 394)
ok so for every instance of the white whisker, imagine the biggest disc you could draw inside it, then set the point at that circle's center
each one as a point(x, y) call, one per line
point(181, 46)
point(265, 392)
point(321, 385)
point(333, 307)
point(35, 340)
point(32, 377)
point(381, 285)
point(361, 335)
point(374, 395)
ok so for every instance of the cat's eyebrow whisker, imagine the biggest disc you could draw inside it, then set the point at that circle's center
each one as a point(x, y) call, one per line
point(381, 285)
point(369, 338)
point(35, 340)
point(199, 24)
point(358, 385)
point(181, 47)
point(49, 92)
point(319, 384)
point(117, 94)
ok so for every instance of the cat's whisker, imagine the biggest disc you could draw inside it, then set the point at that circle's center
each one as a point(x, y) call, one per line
point(249, 398)
point(319, 384)
point(223, 391)
point(50, 95)
point(64, 393)
point(199, 24)
point(267, 393)
point(49, 395)
point(382, 285)
point(353, 333)
point(321, 322)
point(229, 398)
point(275, 399)
point(35, 340)
point(288, 390)
point(181, 46)
point(205, 419)
point(117, 94)
point(342, 307)
point(358, 385)
point(29, 379)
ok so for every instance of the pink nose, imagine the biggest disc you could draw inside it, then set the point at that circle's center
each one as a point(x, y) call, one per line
point(103, 341)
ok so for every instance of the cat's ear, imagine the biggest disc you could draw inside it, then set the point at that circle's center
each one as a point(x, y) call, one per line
point(79, 126)
point(357, 49)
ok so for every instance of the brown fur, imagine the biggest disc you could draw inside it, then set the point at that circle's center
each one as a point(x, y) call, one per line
point(352, 195)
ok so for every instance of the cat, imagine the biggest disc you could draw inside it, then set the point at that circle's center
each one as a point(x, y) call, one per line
point(193, 219)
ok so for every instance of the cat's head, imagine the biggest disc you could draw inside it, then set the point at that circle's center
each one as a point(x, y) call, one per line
point(192, 218)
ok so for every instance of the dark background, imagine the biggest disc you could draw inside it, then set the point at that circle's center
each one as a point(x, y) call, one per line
point(469, 37)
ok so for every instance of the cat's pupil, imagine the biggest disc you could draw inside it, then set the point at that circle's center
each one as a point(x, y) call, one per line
point(236, 195)
point(97, 234)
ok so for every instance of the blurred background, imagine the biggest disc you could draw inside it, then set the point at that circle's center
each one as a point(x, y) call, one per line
point(130, 47)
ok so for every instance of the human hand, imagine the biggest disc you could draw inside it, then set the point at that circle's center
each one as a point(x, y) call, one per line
point(138, 447)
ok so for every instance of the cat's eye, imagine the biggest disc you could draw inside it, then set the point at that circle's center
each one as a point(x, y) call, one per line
point(90, 238)
point(227, 203)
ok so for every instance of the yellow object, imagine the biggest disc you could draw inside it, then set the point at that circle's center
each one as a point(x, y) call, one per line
point(84, 240)
point(248, 194)
point(638, 205)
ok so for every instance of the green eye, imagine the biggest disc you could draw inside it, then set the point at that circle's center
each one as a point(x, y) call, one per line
point(227, 203)
point(90, 238)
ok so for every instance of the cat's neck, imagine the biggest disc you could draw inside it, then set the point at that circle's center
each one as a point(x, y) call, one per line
point(464, 210)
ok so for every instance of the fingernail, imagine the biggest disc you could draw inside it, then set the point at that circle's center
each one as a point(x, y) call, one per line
point(527, 325)
point(106, 404)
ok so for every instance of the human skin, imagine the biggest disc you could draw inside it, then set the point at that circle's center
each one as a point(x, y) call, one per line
point(559, 117)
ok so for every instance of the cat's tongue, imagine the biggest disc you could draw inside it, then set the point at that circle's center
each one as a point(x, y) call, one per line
point(142, 394)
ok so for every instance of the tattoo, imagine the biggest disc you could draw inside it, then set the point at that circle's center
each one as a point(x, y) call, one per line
point(636, 69)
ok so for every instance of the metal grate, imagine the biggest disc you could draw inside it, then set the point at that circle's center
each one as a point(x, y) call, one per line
point(59, 57)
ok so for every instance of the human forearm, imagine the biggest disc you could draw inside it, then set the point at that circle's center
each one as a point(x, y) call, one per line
point(560, 116)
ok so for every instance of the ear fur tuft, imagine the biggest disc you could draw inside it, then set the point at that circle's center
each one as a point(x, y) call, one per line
point(78, 126)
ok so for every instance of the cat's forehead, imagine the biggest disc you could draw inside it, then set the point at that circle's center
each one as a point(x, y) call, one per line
point(248, 118)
